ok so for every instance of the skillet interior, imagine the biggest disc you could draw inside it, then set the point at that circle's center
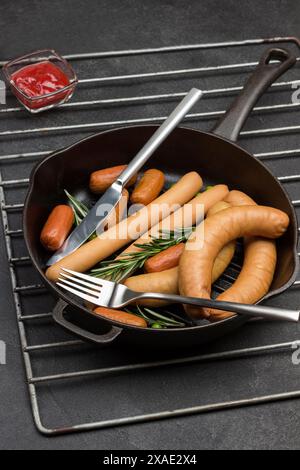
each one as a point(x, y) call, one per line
point(216, 159)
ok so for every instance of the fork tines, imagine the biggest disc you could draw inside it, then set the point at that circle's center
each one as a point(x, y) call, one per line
point(82, 285)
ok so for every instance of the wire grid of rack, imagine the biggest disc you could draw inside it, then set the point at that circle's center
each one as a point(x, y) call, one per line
point(18, 258)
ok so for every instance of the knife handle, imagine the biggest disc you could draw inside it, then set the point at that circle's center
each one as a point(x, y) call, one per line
point(160, 135)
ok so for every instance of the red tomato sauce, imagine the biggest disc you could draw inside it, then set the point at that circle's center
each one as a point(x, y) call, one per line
point(38, 80)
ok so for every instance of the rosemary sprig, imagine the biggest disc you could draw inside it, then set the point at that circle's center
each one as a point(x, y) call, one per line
point(80, 210)
point(120, 268)
point(157, 319)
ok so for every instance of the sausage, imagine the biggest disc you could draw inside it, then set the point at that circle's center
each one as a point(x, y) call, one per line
point(118, 214)
point(166, 282)
point(101, 180)
point(121, 316)
point(170, 257)
point(196, 262)
point(178, 220)
point(148, 188)
point(219, 206)
point(238, 198)
point(57, 227)
point(166, 259)
point(128, 229)
point(255, 278)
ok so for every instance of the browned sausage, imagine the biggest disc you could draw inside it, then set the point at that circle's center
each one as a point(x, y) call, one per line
point(101, 180)
point(148, 188)
point(57, 227)
point(196, 262)
point(167, 259)
point(121, 316)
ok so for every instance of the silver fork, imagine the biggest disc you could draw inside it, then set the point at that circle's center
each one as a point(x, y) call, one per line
point(112, 295)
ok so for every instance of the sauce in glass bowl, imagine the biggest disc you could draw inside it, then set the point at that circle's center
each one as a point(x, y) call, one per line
point(43, 84)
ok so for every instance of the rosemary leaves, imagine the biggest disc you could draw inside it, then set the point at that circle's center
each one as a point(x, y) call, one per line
point(160, 319)
point(80, 209)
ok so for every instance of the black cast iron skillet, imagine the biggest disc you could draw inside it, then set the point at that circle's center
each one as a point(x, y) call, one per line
point(213, 155)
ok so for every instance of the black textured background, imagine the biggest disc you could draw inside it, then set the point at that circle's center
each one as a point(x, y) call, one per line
point(91, 25)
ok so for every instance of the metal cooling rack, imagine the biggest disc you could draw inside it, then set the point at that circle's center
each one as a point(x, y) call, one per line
point(18, 258)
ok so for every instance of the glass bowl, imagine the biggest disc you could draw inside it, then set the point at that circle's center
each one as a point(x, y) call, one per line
point(21, 72)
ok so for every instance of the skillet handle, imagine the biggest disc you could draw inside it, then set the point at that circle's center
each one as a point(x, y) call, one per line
point(263, 76)
point(105, 339)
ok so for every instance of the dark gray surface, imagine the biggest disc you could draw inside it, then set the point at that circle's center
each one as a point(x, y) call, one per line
point(73, 26)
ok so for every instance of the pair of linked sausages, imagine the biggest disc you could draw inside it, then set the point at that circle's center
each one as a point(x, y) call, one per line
point(191, 270)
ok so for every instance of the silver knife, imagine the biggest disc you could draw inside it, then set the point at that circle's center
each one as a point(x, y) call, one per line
point(96, 217)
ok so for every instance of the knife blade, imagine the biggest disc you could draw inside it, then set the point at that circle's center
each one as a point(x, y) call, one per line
point(94, 220)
